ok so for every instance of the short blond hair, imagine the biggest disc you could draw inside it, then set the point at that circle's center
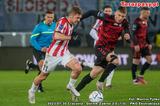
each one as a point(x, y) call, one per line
point(75, 10)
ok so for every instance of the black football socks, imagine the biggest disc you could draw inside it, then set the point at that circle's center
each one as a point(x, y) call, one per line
point(134, 70)
point(87, 79)
point(144, 68)
point(107, 71)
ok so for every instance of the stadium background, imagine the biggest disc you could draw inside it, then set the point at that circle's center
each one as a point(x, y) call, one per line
point(18, 18)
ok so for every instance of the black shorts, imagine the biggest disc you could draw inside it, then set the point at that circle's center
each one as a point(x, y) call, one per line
point(101, 57)
point(38, 55)
point(142, 53)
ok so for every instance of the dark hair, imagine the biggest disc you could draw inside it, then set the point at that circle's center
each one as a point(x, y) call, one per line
point(122, 9)
point(106, 6)
point(49, 12)
point(144, 8)
point(75, 10)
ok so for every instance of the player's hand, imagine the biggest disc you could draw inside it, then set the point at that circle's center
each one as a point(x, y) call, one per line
point(126, 36)
point(44, 49)
point(137, 48)
point(120, 38)
point(150, 47)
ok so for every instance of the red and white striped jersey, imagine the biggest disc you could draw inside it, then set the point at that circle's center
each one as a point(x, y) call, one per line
point(97, 24)
point(59, 47)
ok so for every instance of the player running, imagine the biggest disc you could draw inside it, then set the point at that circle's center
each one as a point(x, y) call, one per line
point(112, 28)
point(58, 53)
point(94, 34)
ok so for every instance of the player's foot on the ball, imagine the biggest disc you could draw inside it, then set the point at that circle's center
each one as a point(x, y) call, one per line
point(31, 97)
point(100, 86)
point(109, 86)
point(73, 90)
point(142, 80)
point(27, 68)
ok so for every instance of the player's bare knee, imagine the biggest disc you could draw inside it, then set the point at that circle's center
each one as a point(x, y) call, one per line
point(116, 62)
point(149, 60)
point(95, 73)
point(40, 63)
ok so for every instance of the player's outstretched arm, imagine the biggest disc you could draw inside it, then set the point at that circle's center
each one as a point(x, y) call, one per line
point(95, 13)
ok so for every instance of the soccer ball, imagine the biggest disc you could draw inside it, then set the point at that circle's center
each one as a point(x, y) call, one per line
point(96, 96)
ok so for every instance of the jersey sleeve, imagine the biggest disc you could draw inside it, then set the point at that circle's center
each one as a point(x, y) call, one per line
point(61, 24)
point(95, 13)
point(33, 39)
point(133, 30)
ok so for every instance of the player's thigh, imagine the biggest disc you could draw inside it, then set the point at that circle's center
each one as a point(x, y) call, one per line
point(38, 55)
point(101, 58)
point(136, 56)
point(136, 61)
point(74, 64)
point(71, 62)
point(96, 70)
point(112, 58)
point(50, 63)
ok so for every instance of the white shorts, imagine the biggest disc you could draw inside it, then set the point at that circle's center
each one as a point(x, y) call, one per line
point(51, 62)
point(93, 34)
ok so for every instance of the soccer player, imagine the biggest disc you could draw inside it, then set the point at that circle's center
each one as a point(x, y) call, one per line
point(94, 34)
point(141, 46)
point(40, 40)
point(58, 53)
point(107, 60)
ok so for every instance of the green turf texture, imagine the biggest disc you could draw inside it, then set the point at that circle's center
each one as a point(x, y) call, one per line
point(15, 84)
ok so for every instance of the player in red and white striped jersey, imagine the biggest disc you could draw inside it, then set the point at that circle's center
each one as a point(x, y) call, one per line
point(58, 47)
point(58, 53)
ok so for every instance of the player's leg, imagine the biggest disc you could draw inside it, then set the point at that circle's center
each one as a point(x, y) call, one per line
point(109, 79)
point(40, 64)
point(113, 62)
point(147, 54)
point(38, 79)
point(100, 63)
point(71, 62)
point(49, 65)
point(89, 77)
point(29, 65)
point(40, 59)
point(135, 63)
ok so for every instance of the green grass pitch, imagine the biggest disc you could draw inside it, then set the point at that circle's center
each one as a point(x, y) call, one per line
point(15, 84)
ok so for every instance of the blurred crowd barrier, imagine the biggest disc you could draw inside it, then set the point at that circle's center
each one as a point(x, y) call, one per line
point(14, 58)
